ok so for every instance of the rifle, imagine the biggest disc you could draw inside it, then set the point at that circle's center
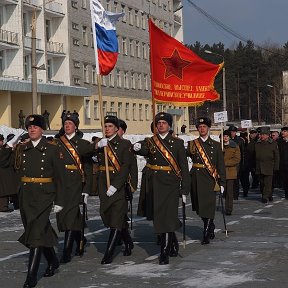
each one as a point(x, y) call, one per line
point(129, 198)
point(184, 224)
point(223, 213)
point(84, 217)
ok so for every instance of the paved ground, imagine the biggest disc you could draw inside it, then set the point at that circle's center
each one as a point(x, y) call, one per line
point(253, 255)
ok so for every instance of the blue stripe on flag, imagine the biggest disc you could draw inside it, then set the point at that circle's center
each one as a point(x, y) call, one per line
point(106, 39)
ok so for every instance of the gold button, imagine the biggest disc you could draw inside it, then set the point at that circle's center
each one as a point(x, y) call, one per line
point(42, 168)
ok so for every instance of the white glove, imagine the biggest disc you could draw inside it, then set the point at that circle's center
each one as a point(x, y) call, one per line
point(102, 143)
point(221, 189)
point(111, 190)
point(184, 199)
point(137, 147)
point(57, 208)
point(85, 197)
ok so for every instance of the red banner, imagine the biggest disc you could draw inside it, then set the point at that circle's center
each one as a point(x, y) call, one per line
point(178, 75)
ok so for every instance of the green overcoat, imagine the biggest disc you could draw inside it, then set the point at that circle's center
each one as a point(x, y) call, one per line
point(160, 190)
point(203, 197)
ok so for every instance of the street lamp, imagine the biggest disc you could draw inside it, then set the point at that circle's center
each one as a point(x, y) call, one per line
point(223, 79)
point(274, 92)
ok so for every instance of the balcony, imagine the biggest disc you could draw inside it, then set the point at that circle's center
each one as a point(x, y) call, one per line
point(28, 43)
point(8, 2)
point(8, 39)
point(31, 4)
point(178, 20)
point(54, 9)
point(55, 48)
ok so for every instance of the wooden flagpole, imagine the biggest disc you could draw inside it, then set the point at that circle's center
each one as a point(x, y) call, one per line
point(99, 77)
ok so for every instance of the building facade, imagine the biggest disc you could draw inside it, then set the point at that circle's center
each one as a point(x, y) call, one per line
point(65, 48)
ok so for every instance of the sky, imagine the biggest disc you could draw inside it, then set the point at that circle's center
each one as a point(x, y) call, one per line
point(262, 21)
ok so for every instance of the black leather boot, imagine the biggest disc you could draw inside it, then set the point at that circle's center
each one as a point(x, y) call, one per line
point(211, 228)
point(166, 243)
point(175, 246)
point(206, 233)
point(68, 246)
point(113, 238)
point(52, 260)
point(77, 236)
point(33, 266)
point(127, 242)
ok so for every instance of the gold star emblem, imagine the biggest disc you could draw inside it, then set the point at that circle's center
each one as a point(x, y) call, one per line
point(31, 118)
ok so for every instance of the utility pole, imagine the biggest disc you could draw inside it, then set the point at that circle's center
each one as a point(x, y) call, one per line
point(258, 101)
point(33, 62)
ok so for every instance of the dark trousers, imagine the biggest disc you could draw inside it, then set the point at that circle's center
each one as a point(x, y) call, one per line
point(229, 195)
point(284, 180)
point(3, 203)
point(266, 185)
point(244, 178)
point(255, 179)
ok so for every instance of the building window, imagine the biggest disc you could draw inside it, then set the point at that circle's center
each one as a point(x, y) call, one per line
point(144, 50)
point(84, 4)
point(119, 114)
point(159, 3)
point(124, 46)
point(133, 76)
point(137, 19)
point(104, 108)
point(134, 111)
point(104, 83)
point(144, 19)
point(111, 79)
point(130, 16)
point(48, 29)
point(118, 78)
point(131, 47)
point(87, 109)
point(77, 81)
point(139, 81)
point(140, 112)
point(1, 63)
point(94, 75)
point(138, 52)
point(112, 106)
point(49, 70)
point(75, 26)
point(170, 5)
point(126, 80)
point(185, 113)
point(147, 112)
point(85, 36)
point(92, 38)
point(115, 6)
point(124, 18)
point(75, 42)
point(146, 87)
point(127, 111)
point(76, 64)
point(85, 73)
point(96, 109)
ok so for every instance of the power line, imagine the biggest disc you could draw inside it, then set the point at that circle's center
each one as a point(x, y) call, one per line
point(228, 29)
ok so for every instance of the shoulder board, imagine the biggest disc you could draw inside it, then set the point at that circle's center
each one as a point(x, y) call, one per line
point(53, 142)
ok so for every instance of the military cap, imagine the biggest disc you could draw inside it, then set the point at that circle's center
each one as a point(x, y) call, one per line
point(227, 132)
point(23, 137)
point(285, 128)
point(71, 117)
point(203, 120)
point(265, 130)
point(233, 128)
point(122, 124)
point(37, 120)
point(111, 119)
point(253, 130)
point(1, 137)
point(10, 137)
point(165, 117)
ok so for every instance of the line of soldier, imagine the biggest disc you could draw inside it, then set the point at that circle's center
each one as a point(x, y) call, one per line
point(58, 175)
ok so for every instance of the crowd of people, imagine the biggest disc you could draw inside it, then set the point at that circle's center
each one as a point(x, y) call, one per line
point(59, 174)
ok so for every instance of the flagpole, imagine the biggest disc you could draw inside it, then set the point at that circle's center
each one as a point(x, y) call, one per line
point(99, 78)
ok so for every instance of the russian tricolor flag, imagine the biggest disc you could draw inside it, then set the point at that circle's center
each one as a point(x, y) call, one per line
point(104, 31)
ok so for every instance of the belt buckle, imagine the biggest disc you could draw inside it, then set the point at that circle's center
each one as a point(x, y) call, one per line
point(161, 167)
point(33, 180)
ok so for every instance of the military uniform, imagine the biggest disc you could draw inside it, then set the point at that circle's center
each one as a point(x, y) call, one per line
point(283, 167)
point(267, 161)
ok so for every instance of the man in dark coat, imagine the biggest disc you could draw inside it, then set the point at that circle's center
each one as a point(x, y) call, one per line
point(283, 151)
point(267, 161)
point(41, 173)
point(78, 183)
point(166, 179)
point(113, 203)
point(205, 179)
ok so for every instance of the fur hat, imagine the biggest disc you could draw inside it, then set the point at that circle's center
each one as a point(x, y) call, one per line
point(35, 119)
point(1, 137)
point(233, 128)
point(72, 117)
point(284, 128)
point(112, 119)
point(203, 120)
point(122, 124)
point(165, 117)
point(265, 130)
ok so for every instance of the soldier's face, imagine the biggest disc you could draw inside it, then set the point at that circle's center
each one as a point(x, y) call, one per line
point(264, 137)
point(284, 133)
point(110, 130)
point(35, 132)
point(253, 135)
point(162, 127)
point(226, 138)
point(69, 127)
point(1, 143)
point(203, 130)
point(274, 136)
